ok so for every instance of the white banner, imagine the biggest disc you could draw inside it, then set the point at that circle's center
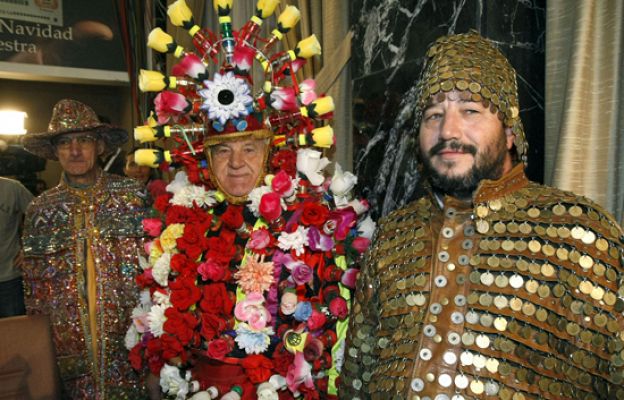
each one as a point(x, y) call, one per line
point(38, 11)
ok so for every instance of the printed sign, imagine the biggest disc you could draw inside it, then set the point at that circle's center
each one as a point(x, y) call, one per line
point(38, 11)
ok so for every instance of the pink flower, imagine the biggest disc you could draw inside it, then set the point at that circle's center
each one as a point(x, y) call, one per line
point(360, 244)
point(288, 303)
point(313, 350)
point(345, 219)
point(169, 105)
point(282, 184)
point(283, 99)
point(338, 307)
point(260, 239)
point(350, 277)
point(307, 94)
point(270, 206)
point(252, 311)
point(316, 320)
point(211, 270)
point(192, 66)
point(152, 226)
point(319, 242)
point(297, 64)
point(243, 58)
point(255, 275)
point(302, 274)
point(299, 372)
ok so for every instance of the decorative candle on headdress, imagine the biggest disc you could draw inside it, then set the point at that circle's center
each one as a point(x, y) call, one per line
point(308, 47)
point(285, 22)
point(223, 9)
point(181, 15)
point(319, 107)
point(162, 42)
point(154, 81)
point(264, 9)
point(149, 157)
point(154, 157)
point(323, 136)
point(148, 133)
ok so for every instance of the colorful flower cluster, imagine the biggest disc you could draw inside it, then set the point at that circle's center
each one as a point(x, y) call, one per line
point(265, 286)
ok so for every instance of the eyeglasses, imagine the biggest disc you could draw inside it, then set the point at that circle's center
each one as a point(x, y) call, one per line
point(64, 142)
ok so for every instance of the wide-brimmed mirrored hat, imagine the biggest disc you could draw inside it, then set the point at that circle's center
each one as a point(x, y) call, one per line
point(69, 116)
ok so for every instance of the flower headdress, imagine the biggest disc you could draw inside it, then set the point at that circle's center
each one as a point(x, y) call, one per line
point(265, 287)
point(197, 109)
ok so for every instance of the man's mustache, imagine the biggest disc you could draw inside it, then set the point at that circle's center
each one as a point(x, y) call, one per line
point(453, 145)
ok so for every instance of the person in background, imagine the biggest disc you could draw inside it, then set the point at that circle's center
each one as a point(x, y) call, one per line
point(141, 173)
point(14, 198)
point(81, 244)
point(490, 286)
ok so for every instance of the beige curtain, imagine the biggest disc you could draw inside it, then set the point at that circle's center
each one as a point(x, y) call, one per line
point(329, 21)
point(584, 146)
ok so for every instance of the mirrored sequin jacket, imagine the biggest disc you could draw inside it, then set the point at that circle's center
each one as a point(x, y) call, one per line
point(59, 226)
point(517, 296)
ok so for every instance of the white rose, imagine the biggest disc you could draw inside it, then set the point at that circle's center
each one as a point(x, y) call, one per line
point(180, 181)
point(310, 164)
point(156, 319)
point(266, 391)
point(173, 383)
point(366, 227)
point(342, 182)
point(161, 269)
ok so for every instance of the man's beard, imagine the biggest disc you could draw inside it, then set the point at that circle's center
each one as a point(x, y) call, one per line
point(487, 165)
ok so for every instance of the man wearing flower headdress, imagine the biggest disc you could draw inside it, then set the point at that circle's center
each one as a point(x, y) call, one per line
point(491, 286)
point(81, 240)
point(250, 269)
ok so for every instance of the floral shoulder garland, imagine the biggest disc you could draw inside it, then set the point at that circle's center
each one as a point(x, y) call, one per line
point(266, 286)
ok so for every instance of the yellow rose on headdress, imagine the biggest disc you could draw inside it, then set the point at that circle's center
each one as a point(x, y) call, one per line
point(170, 235)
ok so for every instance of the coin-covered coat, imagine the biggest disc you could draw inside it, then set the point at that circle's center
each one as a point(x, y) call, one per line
point(65, 231)
point(515, 296)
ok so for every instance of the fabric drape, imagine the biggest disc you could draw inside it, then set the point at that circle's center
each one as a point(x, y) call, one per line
point(584, 144)
point(330, 24)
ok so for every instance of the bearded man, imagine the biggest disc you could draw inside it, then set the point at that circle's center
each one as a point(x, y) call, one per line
point(491, 285)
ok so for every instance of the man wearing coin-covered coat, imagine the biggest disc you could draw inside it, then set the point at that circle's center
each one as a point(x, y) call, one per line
point(491, 286)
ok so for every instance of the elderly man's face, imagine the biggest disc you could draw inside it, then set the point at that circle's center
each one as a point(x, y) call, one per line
point(461, 143)
point(78, 153)
point(237, 164)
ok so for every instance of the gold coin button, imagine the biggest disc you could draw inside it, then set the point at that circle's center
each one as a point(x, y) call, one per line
point(575, 211)
point(586, 287)
point(531, 286)
point(547, 270)
point(534, 246)
point(597, 293)
point(559, 210)
point(602, 244)
point(586, 261)
point(482, 211)
point(577, 232)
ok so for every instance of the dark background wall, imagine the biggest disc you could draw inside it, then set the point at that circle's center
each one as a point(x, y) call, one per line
point(391, 37)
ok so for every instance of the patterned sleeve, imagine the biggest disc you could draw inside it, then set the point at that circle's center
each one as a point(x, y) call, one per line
point(34, 265)
point(361, 349)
